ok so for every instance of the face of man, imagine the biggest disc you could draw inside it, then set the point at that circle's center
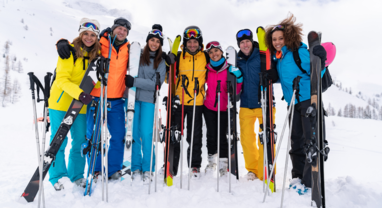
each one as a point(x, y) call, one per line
point(192, 45)
point(246, 46)
point(121, 33)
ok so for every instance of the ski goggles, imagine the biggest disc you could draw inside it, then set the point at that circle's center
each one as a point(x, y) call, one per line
point(213, 44)
point(192, 33)
point(90, 25)
point(122, 22)
point(278, 27)
point(246, 32)
point(156, 32)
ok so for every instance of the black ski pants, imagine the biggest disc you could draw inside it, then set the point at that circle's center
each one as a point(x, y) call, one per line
point(211, 118)
point(301, 132)
point(198, 134)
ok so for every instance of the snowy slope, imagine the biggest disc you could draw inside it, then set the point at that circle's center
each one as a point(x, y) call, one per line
point(352, 171)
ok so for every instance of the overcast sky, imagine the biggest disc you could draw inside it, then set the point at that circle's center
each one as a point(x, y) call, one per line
point(353, 25)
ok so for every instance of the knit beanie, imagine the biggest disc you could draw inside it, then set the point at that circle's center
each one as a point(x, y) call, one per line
point(156, 34)
point(121, 22)
point(243, 37)
point(87, 24)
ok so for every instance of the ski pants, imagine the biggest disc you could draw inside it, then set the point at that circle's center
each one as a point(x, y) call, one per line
point(211, 118)
point(116, 126)
point(253, 153)
point(198, 134)
point(143, 137)
point(76, 164)
point(301, 132)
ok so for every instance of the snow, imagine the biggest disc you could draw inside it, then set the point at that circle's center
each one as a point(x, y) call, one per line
point(352, 171)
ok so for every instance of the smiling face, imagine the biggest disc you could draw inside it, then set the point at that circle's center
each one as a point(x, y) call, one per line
point(192, 45)
point(121, 33)
point(154, 44)
point(246, 46)
point(88, 38)
point(278, 39)
point(215, 54)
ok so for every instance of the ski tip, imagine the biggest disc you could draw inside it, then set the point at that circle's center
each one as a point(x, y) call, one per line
point(169, 181)
point(259, 28)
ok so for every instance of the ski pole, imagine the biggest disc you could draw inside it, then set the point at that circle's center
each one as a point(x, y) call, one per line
point(295, 91)
point(39, 155)
point(196, 88)
point(229, 133)
point(264, 130)
point(218, 137)
point(102, 118)
point(106, 139)
point(184, 84)
point(156, 98)
point(156, 146)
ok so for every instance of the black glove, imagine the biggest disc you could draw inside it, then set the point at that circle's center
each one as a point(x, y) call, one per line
point(272, 75)
point(320, 51)
point(129, 81)
point(85, 98)
point(64, 48)
point(169, 58)
point(105, 32)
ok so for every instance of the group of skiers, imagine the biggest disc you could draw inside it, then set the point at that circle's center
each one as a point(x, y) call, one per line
point(206, 64)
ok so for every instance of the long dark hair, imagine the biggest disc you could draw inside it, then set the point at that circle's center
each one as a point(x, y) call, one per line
point(145, 57)
point(78, 44)
point(292, 34)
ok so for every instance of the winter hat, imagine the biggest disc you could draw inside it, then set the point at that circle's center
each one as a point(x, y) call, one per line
point(192, 32)
point(244, 34)
point(214, 44)
point(121, 22)
point(156, 32)
point(87, 24)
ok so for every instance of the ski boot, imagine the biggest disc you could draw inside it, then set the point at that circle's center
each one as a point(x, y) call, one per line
point(146, 177)
point(116, 176)
point(251, 176)
point(296, 185)
point(58, 186)
point(81, 182)
point(223, 165)
point(195, 173)
point(136, 175)
point(211, 166)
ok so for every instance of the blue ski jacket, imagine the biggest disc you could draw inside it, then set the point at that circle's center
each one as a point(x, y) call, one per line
point(250, 69)
point(288, 71)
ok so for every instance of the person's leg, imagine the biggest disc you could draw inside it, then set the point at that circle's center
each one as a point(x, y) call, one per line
point(306, 128)
point(58, 169)
point(76, 163)
point(210, 117)
point(136, 154)
point(259, 161)
point(146, 132)
point(248, 139)
point(177, 119)
point(198, 134)
point(116, 126)
point(223, 134)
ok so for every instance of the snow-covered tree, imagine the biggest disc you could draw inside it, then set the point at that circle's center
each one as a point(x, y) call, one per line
point(6, 87)
point(339, 114)
point(16, 90)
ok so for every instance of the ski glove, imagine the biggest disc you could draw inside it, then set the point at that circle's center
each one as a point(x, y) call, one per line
point(64, 48)
point(85, 98)
point(320, 51)
point(169, 58)
point(105, 32)
point(272, 75)
point(236, 71)
point(129, 81)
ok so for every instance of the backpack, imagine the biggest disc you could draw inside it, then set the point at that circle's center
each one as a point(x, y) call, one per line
point(326, 80)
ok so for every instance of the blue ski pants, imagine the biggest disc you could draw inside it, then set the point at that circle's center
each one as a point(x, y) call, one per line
point(116, 126)
point(142, 136)
point(76, 163)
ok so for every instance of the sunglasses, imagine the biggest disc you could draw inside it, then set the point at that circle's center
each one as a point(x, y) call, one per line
point(246, 32)
point(123, 22)
point(278, 27)
point(213, 44)
point(90, 25)
point(156, 32)
point(192, 33)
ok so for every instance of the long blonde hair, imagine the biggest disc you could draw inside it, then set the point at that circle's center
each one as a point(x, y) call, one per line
point(78, 44)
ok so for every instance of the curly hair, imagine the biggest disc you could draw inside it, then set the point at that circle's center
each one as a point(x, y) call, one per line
point(78, 44)
point(292, 34)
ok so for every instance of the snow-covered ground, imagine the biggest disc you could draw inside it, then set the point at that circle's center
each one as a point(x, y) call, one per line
point(352, 171)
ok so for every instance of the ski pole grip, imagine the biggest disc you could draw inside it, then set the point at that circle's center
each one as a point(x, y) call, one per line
point(296, 83)
point(184, 79)
point(30, 74)
point(196, 86)
point(218, 87)
point(157, 84)
point(261, 81)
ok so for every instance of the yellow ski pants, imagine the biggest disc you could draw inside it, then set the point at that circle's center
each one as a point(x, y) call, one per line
point(252, 148)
